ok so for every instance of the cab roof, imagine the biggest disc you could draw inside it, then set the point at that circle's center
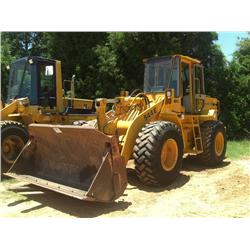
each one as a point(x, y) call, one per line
point(35, 59)
point(161, 58)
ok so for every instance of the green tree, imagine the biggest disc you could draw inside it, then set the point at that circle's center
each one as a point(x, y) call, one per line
point(16, 45)
point(236, 114)
point(113, 61)
point(6, 58)
point(76, 51)
point(131, 48)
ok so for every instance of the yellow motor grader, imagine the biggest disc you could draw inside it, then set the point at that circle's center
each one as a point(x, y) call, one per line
point(36, 95)
point(155, 126)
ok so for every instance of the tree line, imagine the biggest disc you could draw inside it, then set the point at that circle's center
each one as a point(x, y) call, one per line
point(107, 62)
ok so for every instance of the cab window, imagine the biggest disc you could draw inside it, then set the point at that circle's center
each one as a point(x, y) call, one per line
point(47, 85)
point(198, 80)
point(185, 78)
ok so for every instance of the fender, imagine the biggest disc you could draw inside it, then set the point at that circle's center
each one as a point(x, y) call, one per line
point(133, 131)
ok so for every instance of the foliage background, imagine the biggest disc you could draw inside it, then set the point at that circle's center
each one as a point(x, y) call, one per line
point(106, 62)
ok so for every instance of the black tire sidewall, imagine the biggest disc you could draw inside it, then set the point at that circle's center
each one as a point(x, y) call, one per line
point(162, 175)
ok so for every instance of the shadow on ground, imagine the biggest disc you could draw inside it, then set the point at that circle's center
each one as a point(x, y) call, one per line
point(84, 209)
point(136, 184)
point(65, 204)
point(191, 163)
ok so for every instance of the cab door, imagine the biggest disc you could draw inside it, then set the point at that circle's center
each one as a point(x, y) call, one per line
point(198, 88)
point(47, 85)
point(186, 87)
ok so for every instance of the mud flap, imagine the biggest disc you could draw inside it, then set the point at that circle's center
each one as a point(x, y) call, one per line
point(81, 162)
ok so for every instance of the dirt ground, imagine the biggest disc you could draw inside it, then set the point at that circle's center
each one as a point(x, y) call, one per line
point(198, 192)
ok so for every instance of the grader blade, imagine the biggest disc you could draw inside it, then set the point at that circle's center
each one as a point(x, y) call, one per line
point(77, 161)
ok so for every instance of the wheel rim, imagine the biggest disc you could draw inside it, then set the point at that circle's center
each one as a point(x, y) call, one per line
point(169, 154)
point(219, 144)
point(11, 147)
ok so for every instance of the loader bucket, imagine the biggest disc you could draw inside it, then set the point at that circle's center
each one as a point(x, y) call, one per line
point(81, 162)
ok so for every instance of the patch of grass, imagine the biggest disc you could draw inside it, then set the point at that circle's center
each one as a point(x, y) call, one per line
point(238, 149)
point(8, 195)
point(8, 180)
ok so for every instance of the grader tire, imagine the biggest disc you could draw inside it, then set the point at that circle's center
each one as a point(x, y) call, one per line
point(14, 136)
point(214, 143)
point(158, 153)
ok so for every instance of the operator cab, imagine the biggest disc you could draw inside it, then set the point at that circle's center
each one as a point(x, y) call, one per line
point(33, 77)
point(181, 73)
point(162, 73)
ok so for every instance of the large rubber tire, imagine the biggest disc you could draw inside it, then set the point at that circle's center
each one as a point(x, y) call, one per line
point(148, 151)
point(15, 133)
point(209, 131)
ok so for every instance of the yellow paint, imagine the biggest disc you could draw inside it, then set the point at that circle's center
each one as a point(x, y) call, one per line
point(11, 145)
point(78, 103)
point(59, 92)
point(219, 144)
point(169, 154)
point(8, 109)
point(135, 127)
point(20, 110)
point(130, 114)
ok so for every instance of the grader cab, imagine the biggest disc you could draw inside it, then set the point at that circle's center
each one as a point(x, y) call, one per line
point(171, 117)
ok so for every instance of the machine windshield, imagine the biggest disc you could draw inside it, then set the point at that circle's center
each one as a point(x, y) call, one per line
point(158, 74)
point(19, 80)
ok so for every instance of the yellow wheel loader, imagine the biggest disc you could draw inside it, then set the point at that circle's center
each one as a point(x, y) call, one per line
point(35, 95)
point(156, 126)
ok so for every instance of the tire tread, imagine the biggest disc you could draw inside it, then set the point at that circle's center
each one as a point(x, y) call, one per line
point(144, 149)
